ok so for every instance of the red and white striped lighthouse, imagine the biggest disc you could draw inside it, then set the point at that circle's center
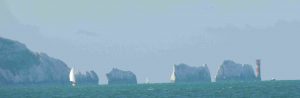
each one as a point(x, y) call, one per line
point(258, 73)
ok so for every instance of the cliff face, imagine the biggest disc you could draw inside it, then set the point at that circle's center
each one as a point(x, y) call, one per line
point(248, 73)
point(19, 65)
point(183, 73)
point(231, 71)
point(116, 76)
point(87, 78)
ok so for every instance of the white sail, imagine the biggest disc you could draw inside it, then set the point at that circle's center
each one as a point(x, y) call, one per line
point(147, 81)
point(72, 77)
point(173, 77)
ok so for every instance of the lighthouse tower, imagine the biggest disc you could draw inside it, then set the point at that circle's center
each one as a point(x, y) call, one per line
point(258, 73)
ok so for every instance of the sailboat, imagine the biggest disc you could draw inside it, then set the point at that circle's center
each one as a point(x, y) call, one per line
point(72, 77)
point(147, 81)
point(173, 76)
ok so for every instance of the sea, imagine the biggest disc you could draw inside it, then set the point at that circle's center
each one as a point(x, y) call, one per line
point(264, 89)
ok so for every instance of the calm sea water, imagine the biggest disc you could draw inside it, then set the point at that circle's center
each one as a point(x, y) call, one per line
point(266, 89)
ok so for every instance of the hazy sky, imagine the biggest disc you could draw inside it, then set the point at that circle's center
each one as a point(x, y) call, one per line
point(148, 37)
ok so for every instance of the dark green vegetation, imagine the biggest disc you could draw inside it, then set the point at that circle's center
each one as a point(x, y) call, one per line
point(266, 89)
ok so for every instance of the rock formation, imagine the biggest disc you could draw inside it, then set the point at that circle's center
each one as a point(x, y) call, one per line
point(231, 71)
point(117, 76)
point(183, 73)
point(19, 65)
point(248, 73)
point(87, 78)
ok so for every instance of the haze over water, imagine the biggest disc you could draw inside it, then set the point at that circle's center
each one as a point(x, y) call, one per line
point(148, 37)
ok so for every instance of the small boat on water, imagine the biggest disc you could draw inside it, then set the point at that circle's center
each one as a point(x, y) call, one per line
point(147, 81)
point(72, 77)
point(173, 76)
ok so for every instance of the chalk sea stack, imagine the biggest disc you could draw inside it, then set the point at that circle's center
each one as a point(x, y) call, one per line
point(117, 76)
point(87, 78)
point(231, 71)
point(183, 73)
point(19, 65)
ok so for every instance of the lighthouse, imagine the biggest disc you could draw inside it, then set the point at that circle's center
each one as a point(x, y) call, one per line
point(258, 73)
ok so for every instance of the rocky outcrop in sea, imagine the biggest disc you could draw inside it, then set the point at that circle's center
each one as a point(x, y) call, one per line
point(183, 73)
point(19, 65)
point(231, 71)
point(117, 76)
point(87, 78)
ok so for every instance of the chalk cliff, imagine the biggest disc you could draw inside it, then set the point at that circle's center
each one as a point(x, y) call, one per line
point(87, 78)
point(19, 65)
point(117, 76)
point(183, 73)
point(231, 71)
